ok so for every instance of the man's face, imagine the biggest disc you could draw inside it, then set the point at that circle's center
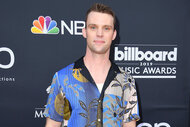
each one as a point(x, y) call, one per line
point(99, 32)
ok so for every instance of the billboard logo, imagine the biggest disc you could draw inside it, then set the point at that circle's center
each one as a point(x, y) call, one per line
point(44, 26)
point(12, 58)
point(134, 54)
point(147, 60)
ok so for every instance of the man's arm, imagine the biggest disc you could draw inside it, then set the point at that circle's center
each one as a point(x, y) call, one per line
point(130, 124)
point(52, 123)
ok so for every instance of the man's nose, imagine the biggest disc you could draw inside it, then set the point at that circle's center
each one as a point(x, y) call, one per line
point(99, 33)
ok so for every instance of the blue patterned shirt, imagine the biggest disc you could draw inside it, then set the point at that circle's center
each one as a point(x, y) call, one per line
point(74, 96)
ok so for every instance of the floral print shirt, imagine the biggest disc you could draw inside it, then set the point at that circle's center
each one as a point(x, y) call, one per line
point(74, 96)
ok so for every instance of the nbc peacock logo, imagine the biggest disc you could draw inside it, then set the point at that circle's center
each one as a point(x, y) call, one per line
point(44, 26)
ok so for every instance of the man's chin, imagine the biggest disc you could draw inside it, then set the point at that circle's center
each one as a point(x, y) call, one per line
point(101, 52)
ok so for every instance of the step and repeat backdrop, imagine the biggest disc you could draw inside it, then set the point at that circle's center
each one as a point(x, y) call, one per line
point(40, 37)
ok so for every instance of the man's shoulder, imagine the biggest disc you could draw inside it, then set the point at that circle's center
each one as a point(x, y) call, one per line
point(69, 68)
point(66, 69)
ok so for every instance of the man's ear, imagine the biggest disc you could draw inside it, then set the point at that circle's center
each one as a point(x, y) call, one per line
point(114, 34)
point(84, 32)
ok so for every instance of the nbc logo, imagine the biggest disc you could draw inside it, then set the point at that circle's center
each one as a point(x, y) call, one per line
point(44, 26)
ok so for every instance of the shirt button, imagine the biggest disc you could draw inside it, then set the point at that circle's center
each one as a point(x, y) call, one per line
point(99, 120)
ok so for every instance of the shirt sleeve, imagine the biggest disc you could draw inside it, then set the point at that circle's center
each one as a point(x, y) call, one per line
point(55, 103)
point(132, 108)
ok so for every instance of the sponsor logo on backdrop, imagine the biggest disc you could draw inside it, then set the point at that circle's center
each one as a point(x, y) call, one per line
point(147, 60)
point(39, 113)
point(45, 26)
point(8, 65)
point(48, 26)
point(162, 124)
point(12, 58)
point(74, 29)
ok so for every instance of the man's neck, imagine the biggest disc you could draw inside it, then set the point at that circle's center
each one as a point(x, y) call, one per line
point(96, 61)
point(98, 66)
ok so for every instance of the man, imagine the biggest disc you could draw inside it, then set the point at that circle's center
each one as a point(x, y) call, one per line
point(93, 91)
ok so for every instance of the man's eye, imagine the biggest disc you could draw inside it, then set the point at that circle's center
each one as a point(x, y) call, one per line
point(93, 27)
point(107, 28)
